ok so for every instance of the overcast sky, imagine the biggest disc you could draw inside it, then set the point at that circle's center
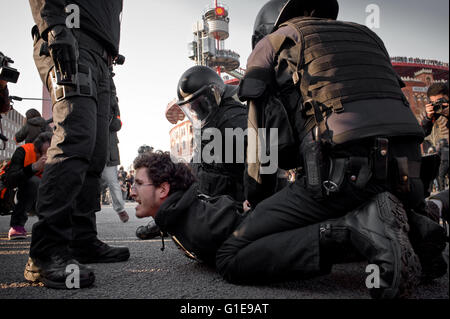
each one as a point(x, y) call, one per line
point(154, 40)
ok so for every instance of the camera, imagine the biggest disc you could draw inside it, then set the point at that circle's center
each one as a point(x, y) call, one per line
point(7, 73)
point(119, 59)
point(438, 106)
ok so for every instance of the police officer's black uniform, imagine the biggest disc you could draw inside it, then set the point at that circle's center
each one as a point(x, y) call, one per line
point(352, 127)
point(69, 192)
point(223, 176)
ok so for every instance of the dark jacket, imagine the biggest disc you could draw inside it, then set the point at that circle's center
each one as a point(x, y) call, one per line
point(99, 18)
point(32, 129)
point(427, 123)
point(200, 225)
point(19, 171)
point(4, 100)
point(224, 178)
point(115, 124)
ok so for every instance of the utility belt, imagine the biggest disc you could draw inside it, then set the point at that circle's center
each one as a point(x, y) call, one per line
point(89, 43)
point(84, 41)
point(325, 173)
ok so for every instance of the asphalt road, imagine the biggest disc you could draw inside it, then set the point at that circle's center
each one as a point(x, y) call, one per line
point(154, 274)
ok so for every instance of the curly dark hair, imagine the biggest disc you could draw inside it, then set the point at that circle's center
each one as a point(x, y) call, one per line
point(438, 88)
point(161, 168)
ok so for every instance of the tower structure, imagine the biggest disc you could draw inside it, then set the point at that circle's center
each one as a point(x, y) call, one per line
point(208, 46)
point(207, 49)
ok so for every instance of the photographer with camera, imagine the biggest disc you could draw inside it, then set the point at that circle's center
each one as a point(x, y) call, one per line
point(438, 95)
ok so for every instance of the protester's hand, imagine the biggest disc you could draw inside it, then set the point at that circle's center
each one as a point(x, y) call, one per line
point(429, 108)
point(246, 206)
point(39, 164)
point(3, 84)
point(63, 48)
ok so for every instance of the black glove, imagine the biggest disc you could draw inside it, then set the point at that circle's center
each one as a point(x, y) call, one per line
point(63, 49)
point(115, 124)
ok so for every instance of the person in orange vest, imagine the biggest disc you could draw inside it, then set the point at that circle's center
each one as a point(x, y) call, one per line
point(25, 172)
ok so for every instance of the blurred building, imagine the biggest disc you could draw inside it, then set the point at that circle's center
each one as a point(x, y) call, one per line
point(11, 123)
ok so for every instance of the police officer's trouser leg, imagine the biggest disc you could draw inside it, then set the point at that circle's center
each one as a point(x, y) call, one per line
point(280, 237)
point(76, 158)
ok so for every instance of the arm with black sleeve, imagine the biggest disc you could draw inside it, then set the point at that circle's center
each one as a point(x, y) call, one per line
point(17, 173)
point(254, 89)
point(5, 105)
point(427, 125)
point(50, 18)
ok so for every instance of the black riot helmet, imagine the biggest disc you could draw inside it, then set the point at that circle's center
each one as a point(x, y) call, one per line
point(200, 91)
point(327, 9)
point(265, 20)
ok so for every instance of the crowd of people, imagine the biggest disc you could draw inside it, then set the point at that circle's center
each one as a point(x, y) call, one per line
point(348, 184)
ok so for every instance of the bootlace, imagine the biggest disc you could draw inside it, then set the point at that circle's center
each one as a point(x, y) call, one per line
point(162, 240)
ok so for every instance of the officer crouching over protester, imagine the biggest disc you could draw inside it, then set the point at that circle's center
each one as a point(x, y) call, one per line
point(214, 112)
point(329, 88)
point(211, 107)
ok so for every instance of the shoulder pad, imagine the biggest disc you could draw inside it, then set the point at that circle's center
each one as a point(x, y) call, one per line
point(255, 83)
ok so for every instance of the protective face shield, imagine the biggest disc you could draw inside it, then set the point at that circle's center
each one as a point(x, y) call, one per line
point(199, 107)
point(199, 94)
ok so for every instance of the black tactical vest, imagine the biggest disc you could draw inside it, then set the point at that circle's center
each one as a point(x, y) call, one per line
point(346, 71)
point(340, 62)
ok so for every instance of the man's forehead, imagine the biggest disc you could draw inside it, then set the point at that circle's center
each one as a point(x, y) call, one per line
point(141, 174)
point(438, 96)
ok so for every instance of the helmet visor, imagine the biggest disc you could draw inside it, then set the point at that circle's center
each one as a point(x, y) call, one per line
point(197, 110)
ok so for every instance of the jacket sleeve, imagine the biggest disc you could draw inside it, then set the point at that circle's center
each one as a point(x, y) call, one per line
point(427, 125)
point(21, 134)
point(17, 173)
point(4, 100)
point(47, 14)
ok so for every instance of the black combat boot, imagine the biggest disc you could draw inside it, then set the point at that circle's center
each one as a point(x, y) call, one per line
point(378, 231)
point(59, 272)
point(428, 239)
point(96, 251)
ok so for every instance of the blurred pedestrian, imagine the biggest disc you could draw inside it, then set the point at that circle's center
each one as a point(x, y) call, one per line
point(34, 124)
point(25, 172)
point(109, 174)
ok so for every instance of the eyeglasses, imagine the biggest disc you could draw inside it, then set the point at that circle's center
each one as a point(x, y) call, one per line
point(138, 185)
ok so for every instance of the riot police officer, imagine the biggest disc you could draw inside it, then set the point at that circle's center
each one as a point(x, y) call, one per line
point(73, 62)
point(342, 117)
point(212, 108)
